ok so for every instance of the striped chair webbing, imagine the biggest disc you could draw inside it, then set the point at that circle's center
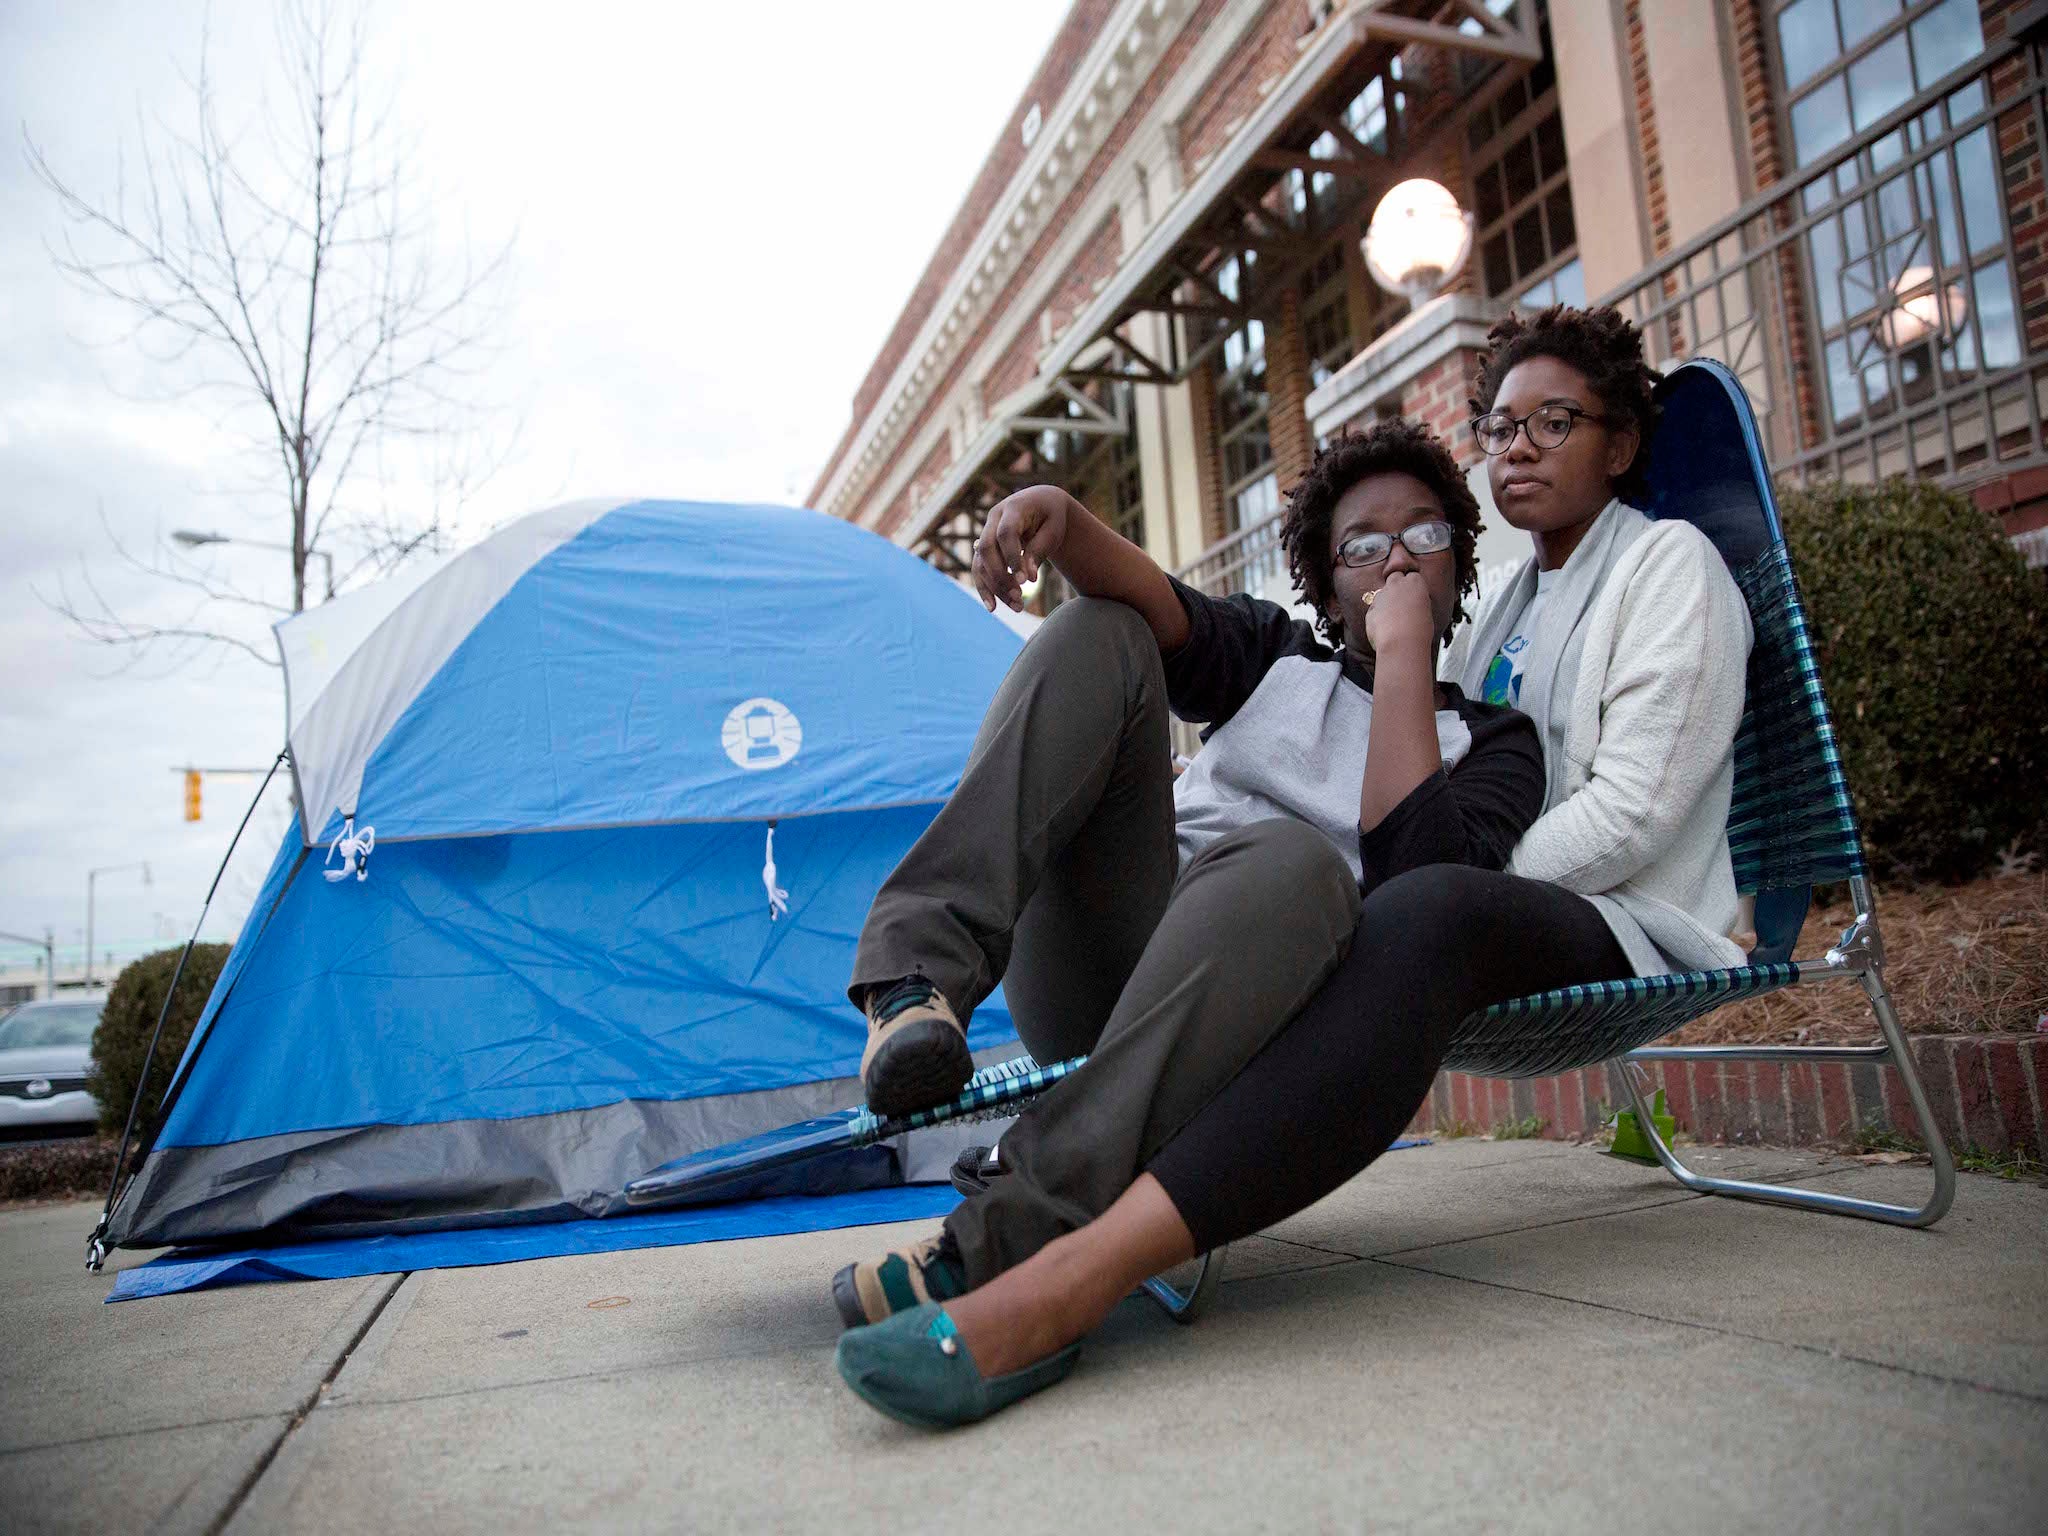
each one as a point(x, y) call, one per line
point(1791, 823)
point(996, 1091)
point(1574, 1027)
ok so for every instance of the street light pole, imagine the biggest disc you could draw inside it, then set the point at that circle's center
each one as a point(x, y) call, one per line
point(194, 540)
point(91, 879)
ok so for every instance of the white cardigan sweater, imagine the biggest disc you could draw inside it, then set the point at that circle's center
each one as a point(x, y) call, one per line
point(1635, 681)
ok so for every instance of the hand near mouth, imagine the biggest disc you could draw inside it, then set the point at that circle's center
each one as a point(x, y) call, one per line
point(1402, 620)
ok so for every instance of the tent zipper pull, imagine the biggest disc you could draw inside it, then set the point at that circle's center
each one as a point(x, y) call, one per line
point(354, 848)
point(778, 898)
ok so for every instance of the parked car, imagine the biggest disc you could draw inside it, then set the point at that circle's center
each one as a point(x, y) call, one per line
point(45, 1053)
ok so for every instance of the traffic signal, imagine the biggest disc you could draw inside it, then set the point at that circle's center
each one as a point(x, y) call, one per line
point(191, 794)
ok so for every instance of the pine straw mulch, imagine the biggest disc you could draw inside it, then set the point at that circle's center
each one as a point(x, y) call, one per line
point(1961, 960)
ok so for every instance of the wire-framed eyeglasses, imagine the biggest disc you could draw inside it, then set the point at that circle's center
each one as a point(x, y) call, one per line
point(1548, 426)
point(1363, 549)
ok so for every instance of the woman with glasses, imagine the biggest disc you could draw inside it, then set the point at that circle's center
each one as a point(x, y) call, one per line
point(1167, 928)
point(1626, 642)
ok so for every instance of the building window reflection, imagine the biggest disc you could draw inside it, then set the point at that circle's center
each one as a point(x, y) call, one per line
point(1911, 271)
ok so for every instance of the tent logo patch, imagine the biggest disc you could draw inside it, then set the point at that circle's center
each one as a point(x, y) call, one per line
point(761, 733)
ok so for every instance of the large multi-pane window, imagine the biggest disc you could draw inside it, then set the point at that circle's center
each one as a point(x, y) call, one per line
point(1376, 118)
point(1251, 491)
point(1910, 262)
point(1527, 237)
point(1124, 481)
point(1474, 66)
point(1105, 477)
point(1326, 314)
point(1846, 63)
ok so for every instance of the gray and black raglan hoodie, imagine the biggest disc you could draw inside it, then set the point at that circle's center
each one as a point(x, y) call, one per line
point(1287, 724)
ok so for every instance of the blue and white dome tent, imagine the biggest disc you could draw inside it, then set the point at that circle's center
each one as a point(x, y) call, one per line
point(590, 816)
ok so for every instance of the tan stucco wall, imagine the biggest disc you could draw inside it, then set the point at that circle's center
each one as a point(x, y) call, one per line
point(1597, 104)
point(1696, 124)
point(1166, 458)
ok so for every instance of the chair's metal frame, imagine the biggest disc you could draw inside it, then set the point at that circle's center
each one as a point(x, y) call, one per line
point(1859, 956)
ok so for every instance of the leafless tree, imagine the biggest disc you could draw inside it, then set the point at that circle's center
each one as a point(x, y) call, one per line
point(285, 272)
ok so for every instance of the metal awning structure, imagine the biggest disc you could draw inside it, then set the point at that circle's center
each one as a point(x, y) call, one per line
point(1237, 202)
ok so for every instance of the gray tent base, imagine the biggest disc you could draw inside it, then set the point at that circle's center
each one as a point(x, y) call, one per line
point(380, 1179)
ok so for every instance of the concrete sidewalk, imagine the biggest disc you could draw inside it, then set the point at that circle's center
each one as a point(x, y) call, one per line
point(1471, 1336)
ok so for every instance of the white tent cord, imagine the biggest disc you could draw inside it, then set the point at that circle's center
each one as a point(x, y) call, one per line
point(354, 848)
point(778, 898)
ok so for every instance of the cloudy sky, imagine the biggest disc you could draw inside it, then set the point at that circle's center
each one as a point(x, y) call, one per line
point(715, 218)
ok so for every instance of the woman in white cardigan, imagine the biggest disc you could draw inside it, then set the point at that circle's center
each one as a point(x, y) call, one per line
point(1625, 641)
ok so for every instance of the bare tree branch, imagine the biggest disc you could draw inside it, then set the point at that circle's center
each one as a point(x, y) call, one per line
point(283, 272)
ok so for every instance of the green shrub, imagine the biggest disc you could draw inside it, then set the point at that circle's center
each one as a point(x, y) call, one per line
point(1933, 642)
point(121, 1040)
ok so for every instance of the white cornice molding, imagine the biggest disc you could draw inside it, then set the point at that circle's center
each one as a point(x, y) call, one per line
point(1120, 58)
point(1119, 180)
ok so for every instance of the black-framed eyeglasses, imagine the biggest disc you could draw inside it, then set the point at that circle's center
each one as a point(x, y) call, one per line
point(1548, 426)
point(1363, 549)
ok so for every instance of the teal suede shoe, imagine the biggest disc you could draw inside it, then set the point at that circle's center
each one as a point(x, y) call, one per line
point(914, 1367)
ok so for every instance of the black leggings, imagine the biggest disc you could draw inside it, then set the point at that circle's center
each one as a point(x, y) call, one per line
point(1332, 1090)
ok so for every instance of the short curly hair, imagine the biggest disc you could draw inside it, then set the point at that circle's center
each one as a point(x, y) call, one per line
point(1392, 446)
point(1602, 345)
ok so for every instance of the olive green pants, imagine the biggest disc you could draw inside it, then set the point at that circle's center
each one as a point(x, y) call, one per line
point(1054, 870)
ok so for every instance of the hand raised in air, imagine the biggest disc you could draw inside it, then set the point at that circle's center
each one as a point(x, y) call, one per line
point(1023, 530)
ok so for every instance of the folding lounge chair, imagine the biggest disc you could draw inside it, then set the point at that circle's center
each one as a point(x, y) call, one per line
point(1791, 825)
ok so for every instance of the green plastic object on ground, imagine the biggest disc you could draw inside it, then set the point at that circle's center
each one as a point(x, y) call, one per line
point(1629, 1140)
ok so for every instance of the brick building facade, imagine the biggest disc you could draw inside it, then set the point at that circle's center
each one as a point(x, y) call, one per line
point(1155, 297)
point(1153, 293)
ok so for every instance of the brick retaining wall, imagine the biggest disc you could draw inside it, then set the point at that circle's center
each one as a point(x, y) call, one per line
point(1988, 1093)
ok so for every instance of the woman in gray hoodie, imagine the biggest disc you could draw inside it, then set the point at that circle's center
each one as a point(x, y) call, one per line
point(1626, 642)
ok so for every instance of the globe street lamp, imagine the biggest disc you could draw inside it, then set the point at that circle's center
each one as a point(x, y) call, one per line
point(193, 540)
point(1418, 240)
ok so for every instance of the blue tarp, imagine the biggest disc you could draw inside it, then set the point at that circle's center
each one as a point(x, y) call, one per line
point(339, 1258)
point(336, 1259)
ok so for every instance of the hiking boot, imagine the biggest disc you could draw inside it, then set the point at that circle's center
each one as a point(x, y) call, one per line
point(917, 1050)
point(900, 1279)
point(974, 1168)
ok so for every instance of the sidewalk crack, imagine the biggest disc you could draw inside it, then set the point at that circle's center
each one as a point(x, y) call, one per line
point(303, 1410)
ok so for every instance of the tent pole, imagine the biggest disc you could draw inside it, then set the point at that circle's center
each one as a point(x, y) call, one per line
point(95, 1246)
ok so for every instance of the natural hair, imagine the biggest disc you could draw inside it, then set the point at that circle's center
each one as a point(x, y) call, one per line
point(1602, 345)
point(1393, 446)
